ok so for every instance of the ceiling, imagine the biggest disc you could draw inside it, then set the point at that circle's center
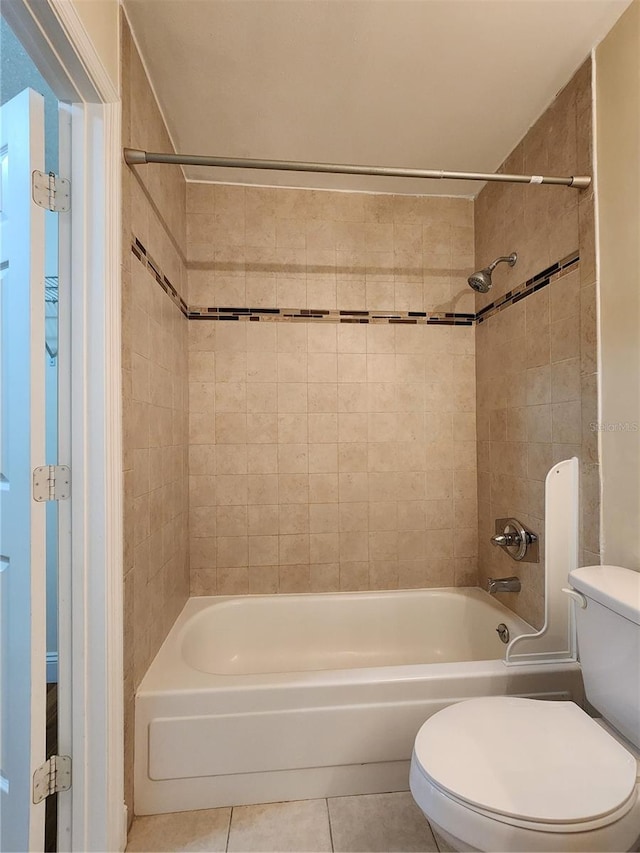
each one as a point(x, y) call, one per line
point(432, 84)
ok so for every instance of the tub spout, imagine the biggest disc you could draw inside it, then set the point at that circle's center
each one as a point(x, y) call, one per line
point(511, 584)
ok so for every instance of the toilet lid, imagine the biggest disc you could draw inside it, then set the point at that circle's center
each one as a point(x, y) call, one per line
point(545, 762)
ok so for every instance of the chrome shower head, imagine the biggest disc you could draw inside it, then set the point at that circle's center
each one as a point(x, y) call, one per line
point(481, 281)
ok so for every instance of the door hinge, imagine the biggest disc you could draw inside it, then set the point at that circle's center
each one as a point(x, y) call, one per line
point(51, 192)
point(52, 777)
point(52, 483)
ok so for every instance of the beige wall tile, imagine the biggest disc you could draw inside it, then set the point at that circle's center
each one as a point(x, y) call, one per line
point(323, 518)
point(263, 551)
point(324, 577)
point(293, 428)
point(262, 396)
point(232, 581)
point(232, 489)
point(566, 422)
point(354, 575)
point(295, 519)
point(258, 489)
point(352, 339)
point(295, 578)
point(262, 458)
point(263, 519)
point(229, 520)
point(296, 488)
point(565, 338)
point(324, 548)
point(258, 428)
point(565, 296)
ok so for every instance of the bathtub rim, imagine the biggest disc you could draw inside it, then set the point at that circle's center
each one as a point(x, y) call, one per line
point(170, 673)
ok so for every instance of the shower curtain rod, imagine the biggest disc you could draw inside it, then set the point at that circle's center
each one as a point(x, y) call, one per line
point(135, 157)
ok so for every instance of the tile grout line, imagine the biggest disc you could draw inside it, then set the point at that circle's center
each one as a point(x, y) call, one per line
point(226, 847)
point(326, 800)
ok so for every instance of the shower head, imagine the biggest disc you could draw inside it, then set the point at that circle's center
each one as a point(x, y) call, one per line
point(481, 280)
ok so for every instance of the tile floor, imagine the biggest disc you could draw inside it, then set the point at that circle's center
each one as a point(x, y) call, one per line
point(373, 823)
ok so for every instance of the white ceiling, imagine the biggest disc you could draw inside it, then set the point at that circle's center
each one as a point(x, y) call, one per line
point(433, 84)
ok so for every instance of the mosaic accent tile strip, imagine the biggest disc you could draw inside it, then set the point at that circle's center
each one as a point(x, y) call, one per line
point(145, 258)
point(310, 315)
point(292, 315)
point(532, 285)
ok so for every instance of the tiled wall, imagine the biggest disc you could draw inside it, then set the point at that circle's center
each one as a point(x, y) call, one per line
point(536, 359)
point(154, 360)
point(337, 454)
point(285, 248)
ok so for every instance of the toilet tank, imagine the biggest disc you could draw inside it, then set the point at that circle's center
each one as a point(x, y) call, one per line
point(609, 643)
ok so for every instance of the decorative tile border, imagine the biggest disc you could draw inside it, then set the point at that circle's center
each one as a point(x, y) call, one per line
point(532, 285)
point(145, 258)
point(332, 316)
point(553, 273)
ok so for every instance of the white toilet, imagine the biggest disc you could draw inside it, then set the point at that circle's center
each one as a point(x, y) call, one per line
point(509, 774)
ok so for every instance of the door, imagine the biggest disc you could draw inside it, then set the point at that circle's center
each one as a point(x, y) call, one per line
point(22, 439)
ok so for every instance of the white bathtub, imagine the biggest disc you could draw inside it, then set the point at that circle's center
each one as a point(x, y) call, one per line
point(268, 698)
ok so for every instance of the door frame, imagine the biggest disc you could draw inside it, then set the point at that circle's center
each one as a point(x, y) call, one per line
point(92, 815)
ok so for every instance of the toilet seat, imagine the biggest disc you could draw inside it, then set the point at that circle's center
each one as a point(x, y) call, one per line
point(540, 764)
point(465, 828)
point(507, 809)
point(536, 826)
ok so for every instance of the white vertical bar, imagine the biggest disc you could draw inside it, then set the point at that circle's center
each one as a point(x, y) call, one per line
point(556, 639)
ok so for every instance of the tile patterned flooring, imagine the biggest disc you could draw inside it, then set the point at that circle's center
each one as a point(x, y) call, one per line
point(372, 823)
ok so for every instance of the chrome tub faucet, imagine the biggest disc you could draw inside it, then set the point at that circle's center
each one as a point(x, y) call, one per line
point(511, 584)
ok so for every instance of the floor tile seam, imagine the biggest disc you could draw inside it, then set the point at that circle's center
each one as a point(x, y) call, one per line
point(226, 847)
point(326, 802)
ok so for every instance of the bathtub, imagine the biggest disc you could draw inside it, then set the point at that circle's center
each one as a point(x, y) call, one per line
point(280, 697)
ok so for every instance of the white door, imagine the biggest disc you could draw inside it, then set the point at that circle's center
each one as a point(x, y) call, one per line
point(22, 522)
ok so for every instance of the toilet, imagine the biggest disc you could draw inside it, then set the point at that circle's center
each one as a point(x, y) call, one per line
point(505, 773)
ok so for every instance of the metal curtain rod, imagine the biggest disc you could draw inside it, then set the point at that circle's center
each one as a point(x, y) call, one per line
point(135, 157)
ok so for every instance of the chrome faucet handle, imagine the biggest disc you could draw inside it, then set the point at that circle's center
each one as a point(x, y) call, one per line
point(505, 539)
point(518, 541)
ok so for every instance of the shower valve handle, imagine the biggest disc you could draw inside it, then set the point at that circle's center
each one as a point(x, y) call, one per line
point(518, 541)
point(505, 539)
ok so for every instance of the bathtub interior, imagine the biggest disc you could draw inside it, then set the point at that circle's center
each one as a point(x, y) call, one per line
point(328, 631)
